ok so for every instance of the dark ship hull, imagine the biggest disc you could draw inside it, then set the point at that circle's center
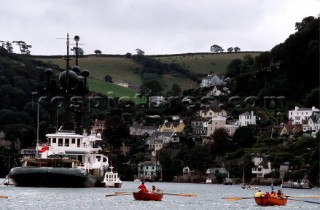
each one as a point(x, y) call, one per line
point(51, 177)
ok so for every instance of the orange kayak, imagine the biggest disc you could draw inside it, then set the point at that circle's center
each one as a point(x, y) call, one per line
point(271, 201)
point(147, 196)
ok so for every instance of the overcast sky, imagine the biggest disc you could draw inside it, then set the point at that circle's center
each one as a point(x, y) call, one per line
point(154, 26)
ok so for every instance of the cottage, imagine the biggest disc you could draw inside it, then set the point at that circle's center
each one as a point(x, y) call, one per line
point(149, 170)
point(261, 166)
point(212, 112)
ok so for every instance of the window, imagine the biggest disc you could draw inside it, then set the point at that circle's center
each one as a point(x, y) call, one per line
point(73, 141)
point(66, 142)
point(60, 142)
point(54, 140)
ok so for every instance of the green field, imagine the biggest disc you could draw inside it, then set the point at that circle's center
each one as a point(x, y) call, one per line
point(125, 69)
point(205, 62)
point(109, 89)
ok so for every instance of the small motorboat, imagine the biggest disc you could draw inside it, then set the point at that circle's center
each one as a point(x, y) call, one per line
point(271, 201)
point(249, 187)
point(111, 179)
point(148, 196)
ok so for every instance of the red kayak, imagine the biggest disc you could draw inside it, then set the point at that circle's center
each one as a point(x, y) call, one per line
point(271, 201)
point(148, 196)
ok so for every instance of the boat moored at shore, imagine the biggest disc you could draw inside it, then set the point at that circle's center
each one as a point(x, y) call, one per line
point(303, 184)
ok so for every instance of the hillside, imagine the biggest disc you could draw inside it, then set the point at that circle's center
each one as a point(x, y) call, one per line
point(126, 69)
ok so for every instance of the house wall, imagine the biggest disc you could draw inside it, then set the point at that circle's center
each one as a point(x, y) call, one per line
point(247, 119)
point(300, 115)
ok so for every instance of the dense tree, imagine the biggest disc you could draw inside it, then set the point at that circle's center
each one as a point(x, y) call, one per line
point(312, 98)
point(216, 49)
point(78, 51)
point(108, 78)
point(230, 49)
point(24, 48)
point(176, 89)
point(9, 47)
point(244, 137)
point(300, 25)
point(233, 69)
point(221, 141)
point(140, 52)
point(97, 52)
point(237, 49)
point(152, 87)
point(198, 158)
point(171, 166)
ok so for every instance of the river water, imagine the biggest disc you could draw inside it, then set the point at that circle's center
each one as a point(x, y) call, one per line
point(209, 196)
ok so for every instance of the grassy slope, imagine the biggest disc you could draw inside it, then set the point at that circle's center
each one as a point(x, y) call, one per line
point(205, 62)
point(122, 68)
point(110, 89)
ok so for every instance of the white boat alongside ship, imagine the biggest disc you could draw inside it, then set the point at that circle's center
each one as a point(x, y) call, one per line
point(111, 179)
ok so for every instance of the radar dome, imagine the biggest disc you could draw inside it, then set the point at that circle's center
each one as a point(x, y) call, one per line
point(73, 79)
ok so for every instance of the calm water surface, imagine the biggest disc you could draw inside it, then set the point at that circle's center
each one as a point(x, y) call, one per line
point(209, 197)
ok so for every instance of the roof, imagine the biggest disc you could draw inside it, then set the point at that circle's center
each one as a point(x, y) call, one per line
point(148, 163)
point(214, 170)
point(246, 114)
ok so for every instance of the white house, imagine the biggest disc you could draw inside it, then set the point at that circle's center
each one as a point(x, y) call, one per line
point(261, 166)
point(219, 90)
point(212, 112)
point(157, 100)
point(301, 115)
point(211, 80)
point(149, 170)
point(247, 118)
point(121, 83)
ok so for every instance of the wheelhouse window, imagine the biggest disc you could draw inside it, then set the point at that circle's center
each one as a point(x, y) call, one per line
point(66, 142)
point(60, 142)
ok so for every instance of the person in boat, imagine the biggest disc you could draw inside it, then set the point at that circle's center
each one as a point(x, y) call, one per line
point(273, 194)
point(143, 188)
point(154, 189)
point(280, 194)
point(267, 194)
point(258, 194)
